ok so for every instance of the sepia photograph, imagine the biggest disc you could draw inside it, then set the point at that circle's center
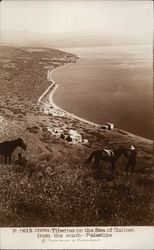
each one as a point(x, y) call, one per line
point(76, 118)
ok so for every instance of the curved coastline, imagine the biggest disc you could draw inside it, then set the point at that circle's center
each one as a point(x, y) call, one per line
point(54, 86)
point(50, 86)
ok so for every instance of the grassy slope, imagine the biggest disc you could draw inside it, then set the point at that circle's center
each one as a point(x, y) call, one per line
point(56, 188)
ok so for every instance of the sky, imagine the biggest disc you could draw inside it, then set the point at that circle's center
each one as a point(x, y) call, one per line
point(51, 16)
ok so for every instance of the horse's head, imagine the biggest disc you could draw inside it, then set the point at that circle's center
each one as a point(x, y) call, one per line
point(21, 143)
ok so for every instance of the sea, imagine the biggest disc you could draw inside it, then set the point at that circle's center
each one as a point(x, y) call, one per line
point(109, 84)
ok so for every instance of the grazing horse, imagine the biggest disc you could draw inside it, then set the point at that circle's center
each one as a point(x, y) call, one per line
point(7, 148)
point(107, 155)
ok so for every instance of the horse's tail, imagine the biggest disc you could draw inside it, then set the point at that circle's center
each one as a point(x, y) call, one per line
point(89, 158)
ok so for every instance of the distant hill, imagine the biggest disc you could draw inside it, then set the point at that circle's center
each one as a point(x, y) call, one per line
point(66, 40)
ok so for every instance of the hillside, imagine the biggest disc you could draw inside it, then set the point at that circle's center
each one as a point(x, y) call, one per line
point(56, 188)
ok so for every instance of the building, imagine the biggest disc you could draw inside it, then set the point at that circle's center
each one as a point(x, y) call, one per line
point(110, 126)
point(76, 136)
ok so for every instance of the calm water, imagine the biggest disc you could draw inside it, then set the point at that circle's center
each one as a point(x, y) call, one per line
point(109, 84)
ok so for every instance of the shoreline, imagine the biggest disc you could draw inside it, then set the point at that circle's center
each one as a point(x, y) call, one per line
point(54, 87)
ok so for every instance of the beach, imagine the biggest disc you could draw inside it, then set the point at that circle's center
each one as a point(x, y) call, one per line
point(54, 87)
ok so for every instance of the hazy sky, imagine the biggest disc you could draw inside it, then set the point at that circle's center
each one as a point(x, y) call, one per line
point(48, 16)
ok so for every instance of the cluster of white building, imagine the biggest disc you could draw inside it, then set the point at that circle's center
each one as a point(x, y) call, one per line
point(108, 126)
point(59, 61)
point(48, 110)
point(72, 136)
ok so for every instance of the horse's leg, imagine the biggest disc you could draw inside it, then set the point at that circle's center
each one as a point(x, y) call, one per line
point(126, 168)
point(132, 168)
point(97, 172)
point(5, 159)
point(9, 159)
point(97, 163)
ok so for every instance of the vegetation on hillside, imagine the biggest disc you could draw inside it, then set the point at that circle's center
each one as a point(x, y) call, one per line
point(56, 188)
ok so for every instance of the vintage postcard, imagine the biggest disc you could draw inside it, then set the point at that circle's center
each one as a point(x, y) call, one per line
point(76, 124)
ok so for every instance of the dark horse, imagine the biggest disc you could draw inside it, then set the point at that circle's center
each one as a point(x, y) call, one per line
point(7, 148)
point(107, 155)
